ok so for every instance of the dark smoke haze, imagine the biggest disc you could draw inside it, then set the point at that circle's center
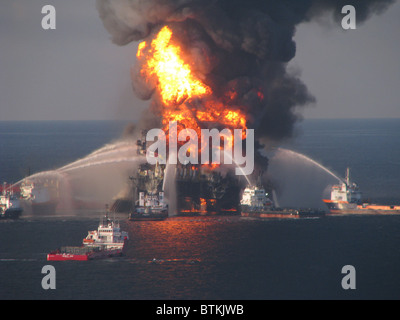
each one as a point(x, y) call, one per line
point(241, 46)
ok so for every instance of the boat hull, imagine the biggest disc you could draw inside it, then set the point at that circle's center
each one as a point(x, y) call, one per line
point(66, 257)
point(91, 255)
point(269, 215)
point(152, 215)
point(345, 208)
point(12, 213)
point(283, 214)
point(364, 211)
point(149, 218)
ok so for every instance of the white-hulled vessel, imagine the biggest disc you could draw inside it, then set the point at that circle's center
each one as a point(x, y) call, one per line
point(108, 235)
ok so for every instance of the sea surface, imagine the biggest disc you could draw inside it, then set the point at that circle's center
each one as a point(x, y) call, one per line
point(215, 257)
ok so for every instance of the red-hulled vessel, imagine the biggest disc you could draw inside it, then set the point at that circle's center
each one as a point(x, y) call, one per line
point(107, 241)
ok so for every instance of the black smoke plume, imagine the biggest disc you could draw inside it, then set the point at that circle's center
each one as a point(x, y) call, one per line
point(235, 45)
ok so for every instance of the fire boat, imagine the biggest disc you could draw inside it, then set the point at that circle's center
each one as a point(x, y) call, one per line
point(107, 241)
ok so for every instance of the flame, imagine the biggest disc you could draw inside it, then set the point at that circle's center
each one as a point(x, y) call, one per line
point(141, 47)
point(210, 166)
point(176, 82)
point(178, 86)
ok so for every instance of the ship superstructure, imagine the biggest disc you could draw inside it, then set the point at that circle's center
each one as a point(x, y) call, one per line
point(10, 207)
point(255, 198)
point(108, 235)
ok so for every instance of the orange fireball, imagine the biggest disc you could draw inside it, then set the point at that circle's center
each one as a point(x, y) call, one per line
point(176, 82)
point(177, 85)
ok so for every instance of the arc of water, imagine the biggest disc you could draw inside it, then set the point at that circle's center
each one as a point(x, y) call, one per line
point(97, 163)
point(312, 161)
point(106, 151)
point(239, 167)
point(275, 198)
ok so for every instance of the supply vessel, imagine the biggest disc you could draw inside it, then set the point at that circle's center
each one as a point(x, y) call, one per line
point(346, 198)
point(255, 203)
point(107, 241)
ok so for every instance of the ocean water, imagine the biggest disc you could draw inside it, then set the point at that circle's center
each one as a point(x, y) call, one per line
point(219, 257)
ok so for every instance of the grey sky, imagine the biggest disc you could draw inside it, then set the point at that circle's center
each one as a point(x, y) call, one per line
point(76, 73)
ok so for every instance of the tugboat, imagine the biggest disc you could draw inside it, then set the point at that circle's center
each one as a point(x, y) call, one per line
point(346, 198)
point(255, 203)
point(10, 207)
point(107, 241)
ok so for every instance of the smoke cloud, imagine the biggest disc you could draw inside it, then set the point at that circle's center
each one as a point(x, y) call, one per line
point(234, 46)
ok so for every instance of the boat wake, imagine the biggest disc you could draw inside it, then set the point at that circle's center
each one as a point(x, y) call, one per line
point(17, 259)
point(158, 261)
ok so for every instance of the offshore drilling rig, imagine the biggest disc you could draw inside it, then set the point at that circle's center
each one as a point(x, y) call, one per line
point(200, 190)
